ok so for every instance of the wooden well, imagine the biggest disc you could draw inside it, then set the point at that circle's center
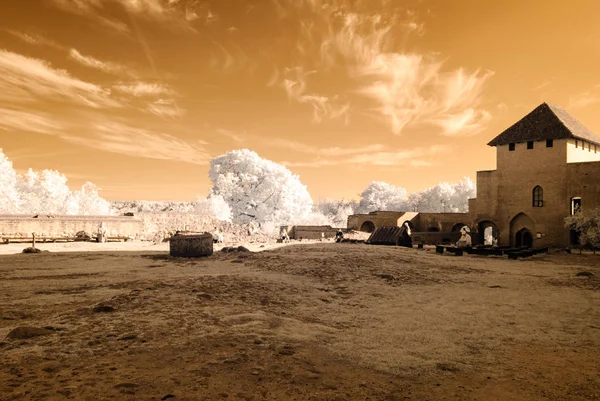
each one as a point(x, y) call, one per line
point(191, 246)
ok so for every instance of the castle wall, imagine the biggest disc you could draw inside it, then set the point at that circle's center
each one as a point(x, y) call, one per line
point(60, 226)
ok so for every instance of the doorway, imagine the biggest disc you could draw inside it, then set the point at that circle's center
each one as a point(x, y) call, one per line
point(524, 238)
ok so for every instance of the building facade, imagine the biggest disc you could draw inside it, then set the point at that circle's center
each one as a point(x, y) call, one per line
point(548, 166)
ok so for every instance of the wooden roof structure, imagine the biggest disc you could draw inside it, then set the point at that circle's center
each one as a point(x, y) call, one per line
point(545, 122)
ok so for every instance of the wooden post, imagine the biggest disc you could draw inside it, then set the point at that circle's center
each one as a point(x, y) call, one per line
point(33, 241)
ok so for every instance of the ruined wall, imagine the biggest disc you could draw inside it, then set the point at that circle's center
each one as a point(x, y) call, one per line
point(58, 226)
point(443, 222)
point(313, 232)
point(377, 219)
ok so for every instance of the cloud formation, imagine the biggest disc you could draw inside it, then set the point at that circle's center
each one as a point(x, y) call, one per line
point(585, 99)
point(407, 88)
point(124, 139)
point(22, 79)
point(176, 14)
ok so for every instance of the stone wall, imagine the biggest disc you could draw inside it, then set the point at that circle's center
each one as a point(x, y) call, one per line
point(60, 226)
point(313, 232)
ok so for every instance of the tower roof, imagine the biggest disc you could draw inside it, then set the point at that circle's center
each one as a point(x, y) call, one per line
point(545, 122)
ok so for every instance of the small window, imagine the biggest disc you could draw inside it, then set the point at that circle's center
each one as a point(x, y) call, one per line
point(511, 147)
point(576, 143)
point(549, 143)
point(595, 148)
point(538, 196)
point(529, 144)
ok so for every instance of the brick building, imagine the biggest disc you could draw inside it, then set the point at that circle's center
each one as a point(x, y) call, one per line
point(548, 165)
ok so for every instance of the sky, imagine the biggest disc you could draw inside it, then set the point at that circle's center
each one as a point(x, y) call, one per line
point(138, 96)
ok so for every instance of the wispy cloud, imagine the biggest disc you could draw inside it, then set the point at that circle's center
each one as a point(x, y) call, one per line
point(294, 83)
point(137, 142)
point(418, 157)
point(35, 39)
point(176, 14)
point(92, 62)
point(165, 108)
point(235, 136)
point(23, 121)
point(23, 78)
point(144, 89)
point(584, 99)
point(407, 88)
point(322, 151)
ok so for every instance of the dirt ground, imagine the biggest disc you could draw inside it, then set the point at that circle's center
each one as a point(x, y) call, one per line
point(303, 322)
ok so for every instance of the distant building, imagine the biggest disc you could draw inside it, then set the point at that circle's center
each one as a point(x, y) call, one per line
point(548, 165)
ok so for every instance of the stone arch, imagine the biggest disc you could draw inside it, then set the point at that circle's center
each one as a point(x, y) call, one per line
point(456, 228)
point(488, 232)
point(519, 226)
point(367, 226)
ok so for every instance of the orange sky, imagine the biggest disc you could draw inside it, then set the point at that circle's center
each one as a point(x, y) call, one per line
point(138, 95)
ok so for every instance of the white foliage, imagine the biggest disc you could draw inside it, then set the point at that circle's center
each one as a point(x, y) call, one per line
point(336, 211)
point(258, 189)
point(9, 195)
point(45, 193)
point(441, 198)
point(382, 196)
point(216, 206)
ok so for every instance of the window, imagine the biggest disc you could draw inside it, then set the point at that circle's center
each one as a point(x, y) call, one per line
point(575, 205)
point(511, 147)
point(576, 143)
point(538, 196)
point(529, 144)
point(549, 143)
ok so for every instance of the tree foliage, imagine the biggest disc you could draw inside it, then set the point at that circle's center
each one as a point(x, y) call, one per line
point(258, 189)
point(46, 193)
point(587, 224)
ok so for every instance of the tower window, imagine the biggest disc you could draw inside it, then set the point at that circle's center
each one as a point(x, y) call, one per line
point(549, 143)
point(529, 144)
point(538, 196)
point(511, 147)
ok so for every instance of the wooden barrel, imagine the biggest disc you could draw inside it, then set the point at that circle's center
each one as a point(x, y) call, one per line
point(191, 246)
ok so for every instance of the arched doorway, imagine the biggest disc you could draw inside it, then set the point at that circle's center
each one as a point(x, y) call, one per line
point(523, 238)
point(410, 224)
point(521, 228)
point(456, 228)
point(487, 233)
point(433, 230)
point(367, 227)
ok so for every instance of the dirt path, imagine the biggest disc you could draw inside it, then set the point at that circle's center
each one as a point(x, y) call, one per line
point(307, 322)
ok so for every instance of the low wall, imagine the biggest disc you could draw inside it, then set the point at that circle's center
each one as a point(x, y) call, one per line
point(314, 232)
point(59, 226)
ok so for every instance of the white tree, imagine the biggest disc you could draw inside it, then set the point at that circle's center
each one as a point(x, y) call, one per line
point(336, 211)
point(9, 195)
point(87, 201)
point(383, 196)
point(214, 205)
point(258, 189)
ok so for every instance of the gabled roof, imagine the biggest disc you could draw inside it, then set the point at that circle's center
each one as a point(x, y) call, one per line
point(545, 122)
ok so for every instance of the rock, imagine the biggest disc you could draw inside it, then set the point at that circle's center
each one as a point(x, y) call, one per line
point(446, 367)
point(24, 332)
point(585, 274)
point(103, 309)
point(167, 396)
point(388, 277)
point(287, 350)
point(242, 249)
point(32, 249)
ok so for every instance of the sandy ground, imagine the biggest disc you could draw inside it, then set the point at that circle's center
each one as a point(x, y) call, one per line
point(303, 322)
